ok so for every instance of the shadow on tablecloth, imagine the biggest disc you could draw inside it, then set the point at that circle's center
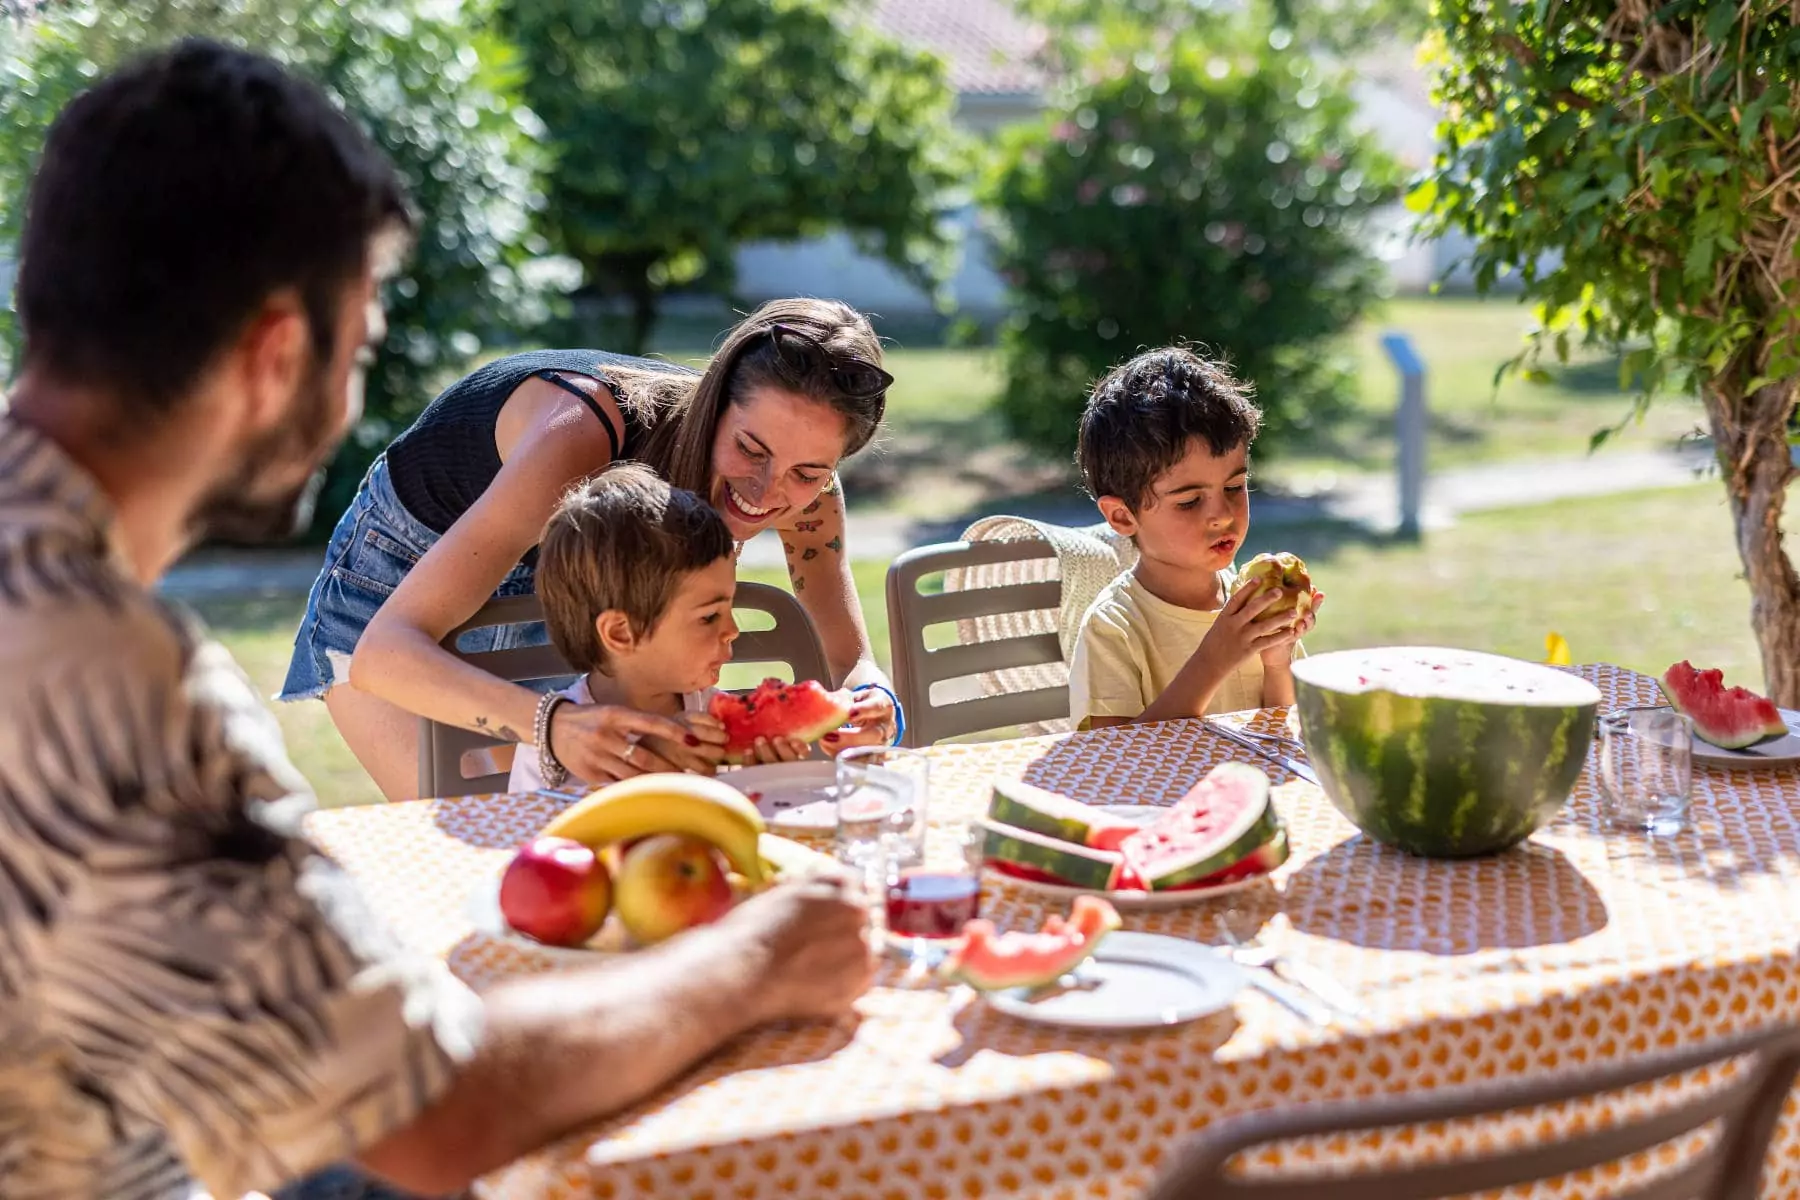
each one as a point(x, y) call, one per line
point(1384, 899)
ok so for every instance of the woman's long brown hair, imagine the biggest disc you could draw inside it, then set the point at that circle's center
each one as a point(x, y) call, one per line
point(682, 414)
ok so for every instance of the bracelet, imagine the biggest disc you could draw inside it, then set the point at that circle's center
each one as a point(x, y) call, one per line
point(553, 772)
point(899, 713)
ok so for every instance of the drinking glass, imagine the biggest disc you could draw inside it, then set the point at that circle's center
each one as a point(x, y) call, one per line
point(928, 904)
point(881, 797)
point(1646, 769)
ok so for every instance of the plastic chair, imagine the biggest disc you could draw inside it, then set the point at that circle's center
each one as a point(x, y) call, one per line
point(1746, 1109)
point(1010, 669)
point(461, 762)
point(451, 760)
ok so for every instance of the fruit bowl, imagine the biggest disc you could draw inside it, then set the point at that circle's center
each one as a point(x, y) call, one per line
point(1444, 753)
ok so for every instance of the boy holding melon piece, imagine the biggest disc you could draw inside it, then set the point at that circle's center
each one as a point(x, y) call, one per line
point(637, 580)
point(1164, 451)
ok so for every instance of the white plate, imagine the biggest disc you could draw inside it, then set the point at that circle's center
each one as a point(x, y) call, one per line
point(800, 796)
point(1133, 981)
point(1780, 750)
point(1143, 813)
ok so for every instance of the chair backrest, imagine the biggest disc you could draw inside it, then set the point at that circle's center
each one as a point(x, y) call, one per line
point(1745, 1107)
point(792, 641)
point(1023, 694)
point(459, 762)
point(450, 762)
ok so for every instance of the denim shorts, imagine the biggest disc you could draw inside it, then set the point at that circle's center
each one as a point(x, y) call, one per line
point(375, 544)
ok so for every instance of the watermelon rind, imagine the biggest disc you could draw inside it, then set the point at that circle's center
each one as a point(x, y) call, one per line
point(1729, 718)
point(1444, 753)
point(1023, 806)
point(1050, 858)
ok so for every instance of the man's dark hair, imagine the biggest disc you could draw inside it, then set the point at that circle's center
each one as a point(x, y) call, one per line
point(1143, 414)
point(172, 199)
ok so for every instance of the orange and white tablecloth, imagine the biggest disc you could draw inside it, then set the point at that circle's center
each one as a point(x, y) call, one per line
point(1580, 947)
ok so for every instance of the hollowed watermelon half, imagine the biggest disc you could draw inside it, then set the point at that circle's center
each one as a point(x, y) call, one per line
point(1729, 718)
point(1444, 753)
point(804, 711)
point(990, 961)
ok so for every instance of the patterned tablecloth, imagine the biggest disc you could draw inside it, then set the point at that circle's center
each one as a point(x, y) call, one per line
point(1582, 946)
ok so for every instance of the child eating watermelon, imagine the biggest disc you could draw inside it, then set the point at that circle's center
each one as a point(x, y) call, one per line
point(1164, 450)
point(637, 579)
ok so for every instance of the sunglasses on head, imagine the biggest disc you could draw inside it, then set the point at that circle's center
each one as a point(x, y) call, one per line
point(801, 353)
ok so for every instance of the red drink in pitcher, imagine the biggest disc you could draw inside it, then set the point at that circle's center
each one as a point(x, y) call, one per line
point(932, 904)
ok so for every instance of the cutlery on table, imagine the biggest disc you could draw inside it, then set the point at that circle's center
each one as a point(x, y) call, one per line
point(1285, 761)
point(1315, 982)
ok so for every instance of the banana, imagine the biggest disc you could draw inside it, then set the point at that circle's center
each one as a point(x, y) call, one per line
point(695, 805)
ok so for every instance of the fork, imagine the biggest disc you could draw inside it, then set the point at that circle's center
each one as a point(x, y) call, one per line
point(1328, 990)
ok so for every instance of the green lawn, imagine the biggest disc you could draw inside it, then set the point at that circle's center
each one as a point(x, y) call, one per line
point(1641, 580)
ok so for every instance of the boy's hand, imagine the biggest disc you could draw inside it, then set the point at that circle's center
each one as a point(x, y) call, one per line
point(777, 750)
point(1282, 652)
point(1243, 628)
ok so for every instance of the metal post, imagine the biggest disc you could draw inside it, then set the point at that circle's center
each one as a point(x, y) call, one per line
point(1409, 430)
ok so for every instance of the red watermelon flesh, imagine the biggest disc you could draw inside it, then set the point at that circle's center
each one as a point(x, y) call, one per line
point(1729, 718)
point(990, 961)
point(804, 711)
point(1222, 820)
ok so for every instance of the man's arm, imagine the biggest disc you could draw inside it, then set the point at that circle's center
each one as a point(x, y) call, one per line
point(563, 1049)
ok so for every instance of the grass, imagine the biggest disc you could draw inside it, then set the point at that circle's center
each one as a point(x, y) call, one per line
point(1641, 580)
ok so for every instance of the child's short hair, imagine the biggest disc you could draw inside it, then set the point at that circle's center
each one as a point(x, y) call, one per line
point(620, 540)
point(1143, 413)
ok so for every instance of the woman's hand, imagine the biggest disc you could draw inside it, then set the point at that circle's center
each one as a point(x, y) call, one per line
point(604, 742)
point(703, 728)
point(872, 722)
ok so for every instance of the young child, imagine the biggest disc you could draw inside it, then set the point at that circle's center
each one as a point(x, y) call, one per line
point(1164, 450)
point(637, 579)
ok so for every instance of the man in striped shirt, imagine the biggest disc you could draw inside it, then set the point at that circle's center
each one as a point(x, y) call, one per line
point(188, 990)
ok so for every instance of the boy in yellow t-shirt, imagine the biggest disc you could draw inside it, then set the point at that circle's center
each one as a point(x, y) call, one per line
point(1164, 450)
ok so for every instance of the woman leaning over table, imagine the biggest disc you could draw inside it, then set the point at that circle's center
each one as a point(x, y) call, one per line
point(450, 516)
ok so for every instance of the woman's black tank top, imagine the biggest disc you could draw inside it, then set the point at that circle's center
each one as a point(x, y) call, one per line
point(443, 463)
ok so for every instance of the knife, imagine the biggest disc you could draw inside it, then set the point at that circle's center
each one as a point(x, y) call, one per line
point(1291, 765)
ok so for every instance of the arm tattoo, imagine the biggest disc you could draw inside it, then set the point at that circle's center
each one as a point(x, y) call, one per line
point(503, 732)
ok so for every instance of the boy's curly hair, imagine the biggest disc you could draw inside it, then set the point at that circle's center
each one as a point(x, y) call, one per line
point(1143, 413)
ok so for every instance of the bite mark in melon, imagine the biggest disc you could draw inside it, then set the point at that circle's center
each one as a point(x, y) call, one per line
point(990, 961)
point(1729, 718)
point(804, 711)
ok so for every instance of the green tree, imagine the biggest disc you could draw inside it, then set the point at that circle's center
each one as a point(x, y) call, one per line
point(1638, 167)
point(439, 97)
point(1199, 184)
point(681, 129)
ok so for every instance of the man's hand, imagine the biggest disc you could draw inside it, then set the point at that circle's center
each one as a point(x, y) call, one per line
point(808, 945)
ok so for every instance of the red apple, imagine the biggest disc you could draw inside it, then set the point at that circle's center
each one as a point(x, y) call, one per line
point(669, 883)
point(556, 891)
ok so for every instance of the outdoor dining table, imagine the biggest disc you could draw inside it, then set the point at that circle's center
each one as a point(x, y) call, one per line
point(1580, 947)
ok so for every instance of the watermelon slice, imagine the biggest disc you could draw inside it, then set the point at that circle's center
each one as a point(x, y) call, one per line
point(1026, 807)
point(1028, 855)
point(1729, 718)
point(1223, 819)
point(989, 961)
point(804, 711)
